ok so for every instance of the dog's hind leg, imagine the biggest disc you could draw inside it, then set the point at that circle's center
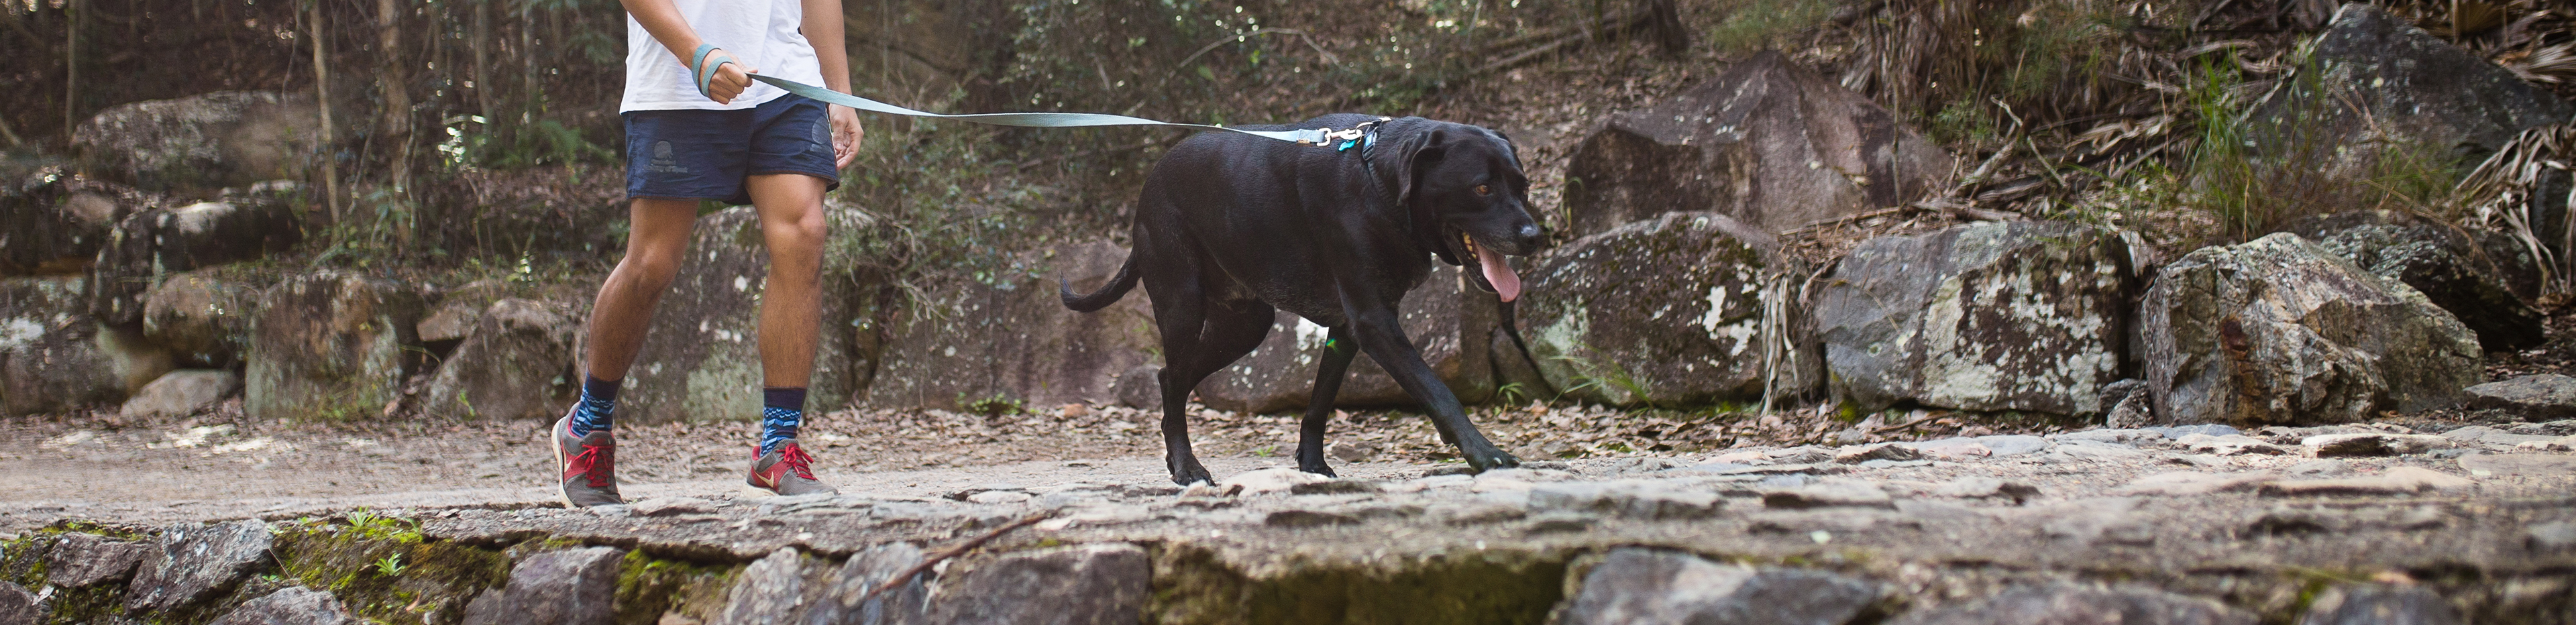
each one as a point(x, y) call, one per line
point(1338, 351)
point(1220, 332)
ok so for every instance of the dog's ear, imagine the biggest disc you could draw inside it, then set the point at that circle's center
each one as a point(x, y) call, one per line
point(1418, 152)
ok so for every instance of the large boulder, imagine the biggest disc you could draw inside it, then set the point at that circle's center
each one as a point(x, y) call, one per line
point(1650, 586)
point(459, 310)
point(53, 222)
point(517, 363)
point(1687, 308)
point(1447, 320)
point(2380, 81)
point(203, 142)
point(19, 606)
point(1099, 584)
point(181, 393)
point(775, 589)
point(1986, 316)
point(1015, 340)
point(2282, 331)
point(50, 354)
point(701, 354)
point(203, 316)
point(193, 562)
point(332, 346)
point(149, 246)
point(2440, 261)
point(1768, 142)
point(565, 587)
point(846, 598)
point(88, 559)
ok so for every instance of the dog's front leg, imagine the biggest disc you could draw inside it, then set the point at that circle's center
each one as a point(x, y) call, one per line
point(1383, 338)
point(1338, 352)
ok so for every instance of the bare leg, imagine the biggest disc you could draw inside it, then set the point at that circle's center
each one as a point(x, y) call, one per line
point(791, 303)
point(655, 244)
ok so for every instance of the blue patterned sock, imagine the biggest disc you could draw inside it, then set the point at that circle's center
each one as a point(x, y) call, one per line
point(598, 407)
point(782, 410)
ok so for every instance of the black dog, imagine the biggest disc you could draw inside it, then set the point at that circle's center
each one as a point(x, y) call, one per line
point(1230, 226)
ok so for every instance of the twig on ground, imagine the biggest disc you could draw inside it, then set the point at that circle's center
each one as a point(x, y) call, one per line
point(906, 576)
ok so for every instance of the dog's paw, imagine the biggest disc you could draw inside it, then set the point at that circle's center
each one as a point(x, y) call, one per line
point(1189, 472)
point(1499, 459)
point(1317, 468)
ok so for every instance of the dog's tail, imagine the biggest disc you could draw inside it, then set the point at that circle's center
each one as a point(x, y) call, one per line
point(1107, 295)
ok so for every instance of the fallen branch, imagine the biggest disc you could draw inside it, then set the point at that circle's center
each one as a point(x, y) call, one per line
point(900, 579)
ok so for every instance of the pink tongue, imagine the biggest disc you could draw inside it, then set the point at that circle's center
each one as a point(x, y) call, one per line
point(1499, 272)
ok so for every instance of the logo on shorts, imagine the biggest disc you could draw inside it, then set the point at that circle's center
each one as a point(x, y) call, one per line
point(822, 136)
point(662, 161)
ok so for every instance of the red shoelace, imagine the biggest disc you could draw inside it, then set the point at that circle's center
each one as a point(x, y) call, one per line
point(595, 462)
point(796, 460)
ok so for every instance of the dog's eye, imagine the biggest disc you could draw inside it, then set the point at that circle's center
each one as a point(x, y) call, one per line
point(1484, 190)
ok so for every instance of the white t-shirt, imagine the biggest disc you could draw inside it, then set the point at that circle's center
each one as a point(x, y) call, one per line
point(760, 33)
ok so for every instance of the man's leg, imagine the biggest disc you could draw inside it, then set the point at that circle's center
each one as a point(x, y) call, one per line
point(585, 450)
point(791, 307)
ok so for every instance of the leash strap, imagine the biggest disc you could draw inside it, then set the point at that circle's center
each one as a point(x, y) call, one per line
point(707, 73)
point(1029, 120)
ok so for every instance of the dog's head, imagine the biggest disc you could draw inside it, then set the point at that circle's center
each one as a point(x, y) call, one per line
point(1469, 179)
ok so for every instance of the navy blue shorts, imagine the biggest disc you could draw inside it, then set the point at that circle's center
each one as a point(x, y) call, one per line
point(691, 154)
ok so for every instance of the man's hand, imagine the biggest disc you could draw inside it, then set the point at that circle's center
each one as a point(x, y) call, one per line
point(846, 134)
point(731, 78)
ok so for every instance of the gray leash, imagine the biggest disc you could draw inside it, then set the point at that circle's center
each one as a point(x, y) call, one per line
point(1030, 120)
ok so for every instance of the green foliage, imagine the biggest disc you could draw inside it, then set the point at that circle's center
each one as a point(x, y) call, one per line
point(1756, 24)
point(997, 404)
point(390, 566)
point(2256, 170)
point(385, 569)
point(649, 587)
point(1966, 119)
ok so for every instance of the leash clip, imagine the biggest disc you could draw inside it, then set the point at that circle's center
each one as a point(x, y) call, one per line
point(1353, 136)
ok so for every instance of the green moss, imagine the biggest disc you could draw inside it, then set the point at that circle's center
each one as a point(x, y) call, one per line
point(110, 530)
point(649, 587)
point(90, 604)
point(437, 580)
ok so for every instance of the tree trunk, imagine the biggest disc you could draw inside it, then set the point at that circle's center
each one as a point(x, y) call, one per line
point(395, 86)
point(72, 14)
point(483, 68)
point(322, 98)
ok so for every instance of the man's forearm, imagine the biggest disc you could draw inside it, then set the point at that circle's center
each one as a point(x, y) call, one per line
point(823, 28)
point(662, 19)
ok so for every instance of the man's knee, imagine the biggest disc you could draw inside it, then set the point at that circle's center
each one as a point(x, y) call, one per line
point(655, 265)
point(803, 231)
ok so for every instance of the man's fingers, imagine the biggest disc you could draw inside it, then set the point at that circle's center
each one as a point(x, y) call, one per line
point(731, 80)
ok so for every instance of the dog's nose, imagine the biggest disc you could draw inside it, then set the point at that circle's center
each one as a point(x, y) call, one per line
point(1530, 236)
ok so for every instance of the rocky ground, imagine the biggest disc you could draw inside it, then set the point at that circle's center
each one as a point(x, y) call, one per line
point(2172, 525)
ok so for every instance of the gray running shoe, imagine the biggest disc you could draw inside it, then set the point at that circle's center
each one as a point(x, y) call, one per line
point(787, 471)
point(589, 465)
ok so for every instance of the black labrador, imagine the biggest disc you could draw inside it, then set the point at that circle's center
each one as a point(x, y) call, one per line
point(1231, 227)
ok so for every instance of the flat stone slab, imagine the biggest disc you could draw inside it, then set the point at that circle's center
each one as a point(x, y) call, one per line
point(2397, 481)
point(2546, 396)
point(293, 605)
point(86, 559)
point(2337, 445)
